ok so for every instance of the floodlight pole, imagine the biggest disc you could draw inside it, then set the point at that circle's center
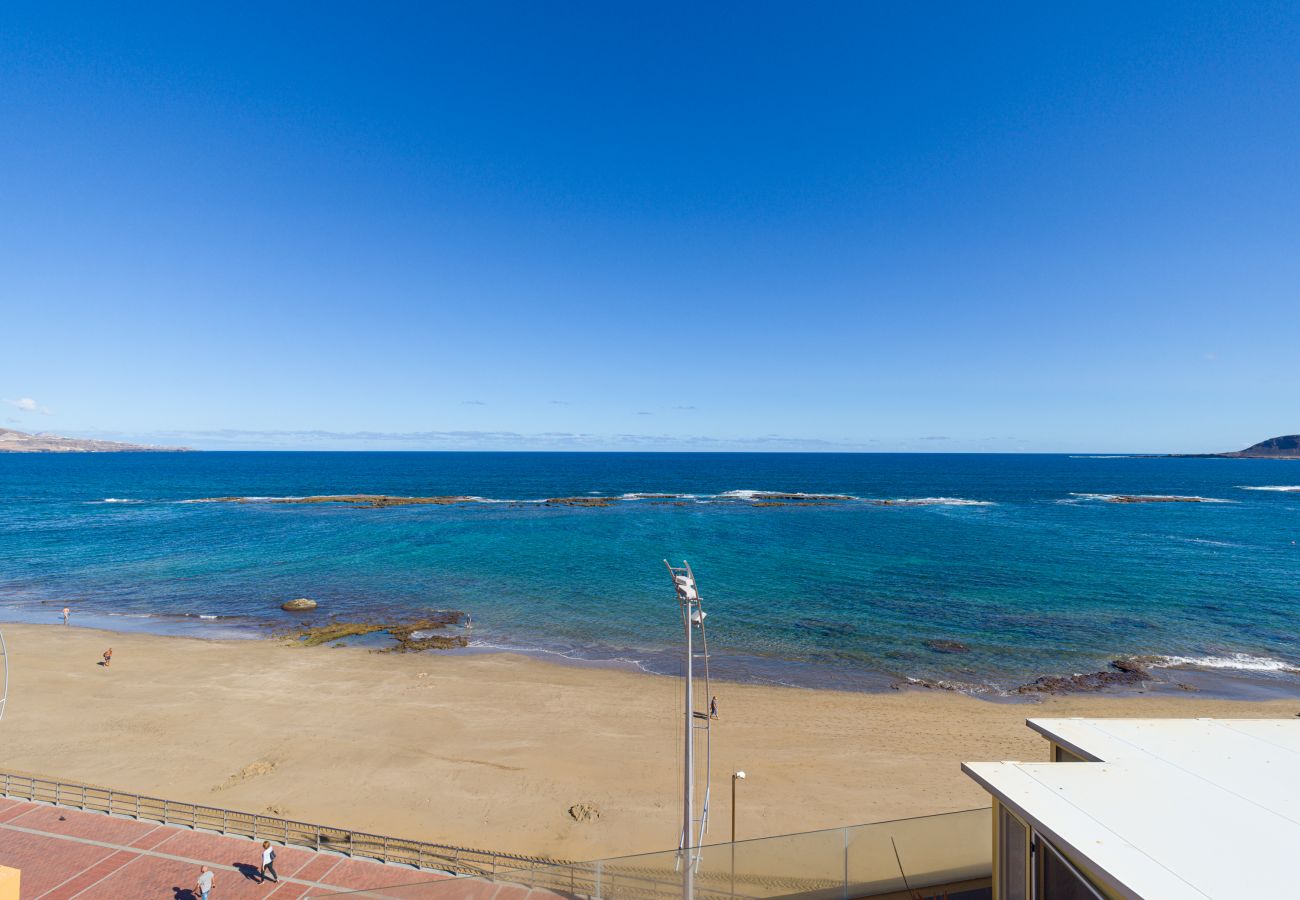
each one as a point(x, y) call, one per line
point(688, 599)
point(688, 795)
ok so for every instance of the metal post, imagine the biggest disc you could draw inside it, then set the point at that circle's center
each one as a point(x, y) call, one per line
point(688, 794)
point(846, 864)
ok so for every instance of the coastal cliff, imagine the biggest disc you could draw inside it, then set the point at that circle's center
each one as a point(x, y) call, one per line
point(12, 441)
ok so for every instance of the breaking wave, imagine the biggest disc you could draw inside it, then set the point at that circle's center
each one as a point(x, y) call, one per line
point(1240, 661)
point(1141, 498)
point(736, 496)
point(1283, 488)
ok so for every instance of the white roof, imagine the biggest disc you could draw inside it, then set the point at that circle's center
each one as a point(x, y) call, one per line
point(1171, 808)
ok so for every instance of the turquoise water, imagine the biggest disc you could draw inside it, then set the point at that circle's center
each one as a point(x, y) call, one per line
point(1020, 558)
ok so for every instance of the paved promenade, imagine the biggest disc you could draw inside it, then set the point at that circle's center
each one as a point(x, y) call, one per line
point(65, 853)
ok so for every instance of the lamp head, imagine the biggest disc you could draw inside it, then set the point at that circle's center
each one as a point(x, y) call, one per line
point(740, 775)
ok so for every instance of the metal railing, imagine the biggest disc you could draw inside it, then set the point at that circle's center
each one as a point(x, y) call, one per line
point(421, 854)
point(925, 857)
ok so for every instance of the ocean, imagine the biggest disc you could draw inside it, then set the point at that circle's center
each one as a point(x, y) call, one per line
point(983, 570)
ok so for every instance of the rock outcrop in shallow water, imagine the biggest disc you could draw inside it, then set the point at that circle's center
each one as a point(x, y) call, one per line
point(409, 636)
point(1123, 673)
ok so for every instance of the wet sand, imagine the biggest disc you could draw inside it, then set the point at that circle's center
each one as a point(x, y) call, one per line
point(491, 750)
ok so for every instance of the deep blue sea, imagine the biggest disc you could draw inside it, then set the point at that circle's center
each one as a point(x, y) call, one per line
point(1021, 558)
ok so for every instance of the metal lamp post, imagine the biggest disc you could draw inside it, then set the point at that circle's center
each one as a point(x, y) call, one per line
point(735, 776)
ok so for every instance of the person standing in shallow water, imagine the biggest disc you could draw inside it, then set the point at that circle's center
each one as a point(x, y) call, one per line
point(66, 612)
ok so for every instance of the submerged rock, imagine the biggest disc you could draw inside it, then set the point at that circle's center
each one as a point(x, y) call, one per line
point(941, 645)
point(410, 636)
point(825, 627)
point(302, 604)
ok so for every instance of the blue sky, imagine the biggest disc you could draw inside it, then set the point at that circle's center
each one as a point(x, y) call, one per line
point(801, 226)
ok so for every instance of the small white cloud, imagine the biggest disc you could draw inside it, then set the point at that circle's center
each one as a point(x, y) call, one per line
point(27, 404)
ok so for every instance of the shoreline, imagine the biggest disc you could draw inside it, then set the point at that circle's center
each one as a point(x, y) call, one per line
point(490, 750)
point(1226, 682)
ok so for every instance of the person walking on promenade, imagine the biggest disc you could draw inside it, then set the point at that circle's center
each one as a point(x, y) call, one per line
point(268, 861)
point(66, 612)
point(203, 886)
point(108, 657)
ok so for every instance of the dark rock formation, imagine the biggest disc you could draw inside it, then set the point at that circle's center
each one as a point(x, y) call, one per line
point(1123, 673)
point(941, 645)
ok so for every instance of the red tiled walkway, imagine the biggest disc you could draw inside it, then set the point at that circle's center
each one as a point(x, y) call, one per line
point(65, 853)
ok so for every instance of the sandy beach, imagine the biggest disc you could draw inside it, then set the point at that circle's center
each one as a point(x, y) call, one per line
point(492, 750)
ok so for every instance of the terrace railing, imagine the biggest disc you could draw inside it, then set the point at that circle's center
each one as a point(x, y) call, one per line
point(421, 854)
point(943, 856)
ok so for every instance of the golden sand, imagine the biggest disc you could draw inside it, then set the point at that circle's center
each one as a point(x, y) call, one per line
point(492, 750)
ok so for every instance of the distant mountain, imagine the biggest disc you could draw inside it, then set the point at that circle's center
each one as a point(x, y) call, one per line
point(21, 442)
point(1285, 447)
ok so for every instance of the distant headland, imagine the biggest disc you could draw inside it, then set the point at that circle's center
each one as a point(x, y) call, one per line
point(12, 441)
point(1285, 447)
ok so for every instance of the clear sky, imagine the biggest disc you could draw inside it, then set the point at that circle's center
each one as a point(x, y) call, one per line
point(749, 225)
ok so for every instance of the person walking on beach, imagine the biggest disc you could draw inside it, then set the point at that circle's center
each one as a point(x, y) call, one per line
point(66, 612)
point(203, 886)
point(268, 861)
point(713, 708)
point(108, 657)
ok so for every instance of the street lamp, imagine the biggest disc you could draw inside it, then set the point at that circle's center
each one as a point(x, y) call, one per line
point(735, 776)
point(738, 775)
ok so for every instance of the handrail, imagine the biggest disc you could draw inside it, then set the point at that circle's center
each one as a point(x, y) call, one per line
point(421, 854)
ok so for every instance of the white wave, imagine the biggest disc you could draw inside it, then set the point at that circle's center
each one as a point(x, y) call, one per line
point(117, 500)
point(781, 495)
point(1284, 488)
point(1147, 498)
point(1240, 661)
point(238, 499)
point(1101, 456)
point(202, 616)
point(652, 495)
point(933, 501)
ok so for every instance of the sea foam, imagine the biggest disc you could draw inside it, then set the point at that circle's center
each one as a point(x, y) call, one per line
point(1241, 661)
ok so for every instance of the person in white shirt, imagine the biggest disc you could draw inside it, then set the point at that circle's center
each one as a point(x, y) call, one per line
point(268, 861)
point(203, 886)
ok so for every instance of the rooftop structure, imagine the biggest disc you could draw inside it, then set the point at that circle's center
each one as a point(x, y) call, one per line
point(1167, 808)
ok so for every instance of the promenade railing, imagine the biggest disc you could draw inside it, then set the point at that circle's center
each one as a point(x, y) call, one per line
point(942, 856)
point(422, 854)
